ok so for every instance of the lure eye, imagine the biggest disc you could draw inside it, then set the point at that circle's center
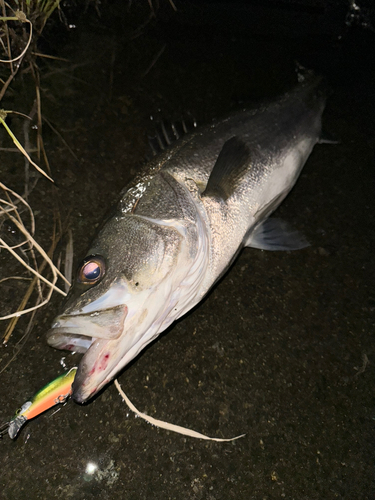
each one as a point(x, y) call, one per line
point(92, 270)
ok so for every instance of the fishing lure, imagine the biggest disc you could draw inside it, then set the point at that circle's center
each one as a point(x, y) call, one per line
point(57, 391)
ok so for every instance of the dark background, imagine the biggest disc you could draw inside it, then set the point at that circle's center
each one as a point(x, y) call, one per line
point(282, 348)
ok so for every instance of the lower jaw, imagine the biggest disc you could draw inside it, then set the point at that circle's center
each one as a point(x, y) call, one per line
point(81, 397)
point(93, 370)
point(59, 338)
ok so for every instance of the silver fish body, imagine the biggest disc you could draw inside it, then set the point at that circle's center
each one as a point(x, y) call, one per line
point(179, 226)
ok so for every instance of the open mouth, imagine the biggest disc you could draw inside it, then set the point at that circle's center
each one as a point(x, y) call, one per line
point(95, 365)
point(66, 339)
point(93, 370)
point(104, 328)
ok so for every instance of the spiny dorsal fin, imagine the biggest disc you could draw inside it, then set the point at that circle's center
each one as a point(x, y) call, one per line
point(166, 133)
point(229, 168)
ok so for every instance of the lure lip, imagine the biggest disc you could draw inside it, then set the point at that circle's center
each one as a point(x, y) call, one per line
point(15, 425)
point(4, 428)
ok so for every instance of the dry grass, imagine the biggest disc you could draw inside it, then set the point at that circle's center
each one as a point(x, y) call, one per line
point(14, 208)
point(21, 24)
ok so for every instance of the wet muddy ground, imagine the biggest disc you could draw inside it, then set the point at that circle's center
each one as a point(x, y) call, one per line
point(282, 349)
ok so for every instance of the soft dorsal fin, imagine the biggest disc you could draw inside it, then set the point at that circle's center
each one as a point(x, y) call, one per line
point(229, 168)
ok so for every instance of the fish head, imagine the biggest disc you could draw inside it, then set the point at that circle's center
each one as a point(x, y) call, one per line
point(120, 300)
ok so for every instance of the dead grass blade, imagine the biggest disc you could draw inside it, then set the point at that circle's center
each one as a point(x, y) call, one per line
point(68, 267)
point(20, 16)
point(170, 427)
point(3, 115)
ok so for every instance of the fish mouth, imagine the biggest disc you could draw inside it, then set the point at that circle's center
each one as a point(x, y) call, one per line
point(102, 362)
point(100, 359)
point(94, 370)
point(68, 340)
point(105, 350)
point(96, 335)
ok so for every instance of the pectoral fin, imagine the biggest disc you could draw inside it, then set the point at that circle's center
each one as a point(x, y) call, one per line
point(230, 167)
point(275, 234)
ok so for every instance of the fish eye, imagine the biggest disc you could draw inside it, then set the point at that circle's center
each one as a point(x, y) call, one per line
point(91, 270)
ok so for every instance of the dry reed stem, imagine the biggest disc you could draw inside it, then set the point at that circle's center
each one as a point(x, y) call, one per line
point(20, 310)
point(47, 56)
point(23, 278)
point(8, 207)
point(40, 142)
point(173, 5)
point(170, 427)
point(8, 48)
point(22, 200)
point(19, 145)
point(68, 267)
point(34, 244)
point(29, 268)
point(23, 20)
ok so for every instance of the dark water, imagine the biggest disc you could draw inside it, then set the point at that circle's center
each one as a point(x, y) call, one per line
point(279, 348)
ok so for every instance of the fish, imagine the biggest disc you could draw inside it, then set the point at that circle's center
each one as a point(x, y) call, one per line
point(178, 227)
point(55, 392)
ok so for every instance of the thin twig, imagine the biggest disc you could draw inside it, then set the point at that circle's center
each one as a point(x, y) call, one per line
point(23, 339)
point(47, 56)
point(7, 36)
point(61, 138)
point(154, 61)
point(15, 278)
point(7, 83)
point(173, 5)
point(16, 150)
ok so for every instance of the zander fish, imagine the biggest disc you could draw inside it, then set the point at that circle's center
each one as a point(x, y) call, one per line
point(178, 227)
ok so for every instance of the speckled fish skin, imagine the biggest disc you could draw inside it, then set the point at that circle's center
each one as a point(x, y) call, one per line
point(179, 226)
